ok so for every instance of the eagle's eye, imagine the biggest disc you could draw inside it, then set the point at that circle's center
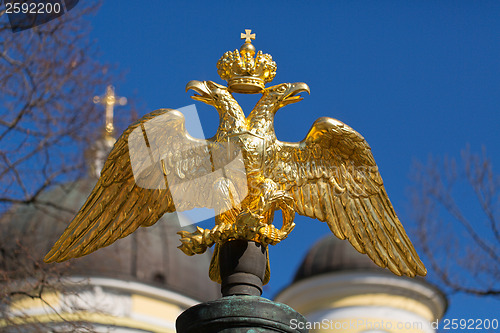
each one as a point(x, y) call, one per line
point(214, 86)
point(281, 89)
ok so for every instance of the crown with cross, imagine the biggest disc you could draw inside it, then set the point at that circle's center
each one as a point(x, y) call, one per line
point(244, 73)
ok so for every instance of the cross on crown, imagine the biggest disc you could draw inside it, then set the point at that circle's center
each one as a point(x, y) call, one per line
point(248, 36)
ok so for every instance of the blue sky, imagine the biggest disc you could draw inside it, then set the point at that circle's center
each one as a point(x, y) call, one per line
point(414, 78)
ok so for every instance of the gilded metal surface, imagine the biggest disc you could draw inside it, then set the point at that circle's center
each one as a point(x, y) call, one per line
point(248, 36)
point(244, 73)
point(331, 175)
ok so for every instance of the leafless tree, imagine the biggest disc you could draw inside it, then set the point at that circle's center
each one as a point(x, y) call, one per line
point(24, 277)
point(456, 205)
point(48, 76)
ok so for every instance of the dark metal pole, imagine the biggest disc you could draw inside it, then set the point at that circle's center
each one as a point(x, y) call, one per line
point(241, 309)
point(242, 268)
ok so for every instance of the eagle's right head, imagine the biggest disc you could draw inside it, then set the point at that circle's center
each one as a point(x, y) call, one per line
point(286, 93)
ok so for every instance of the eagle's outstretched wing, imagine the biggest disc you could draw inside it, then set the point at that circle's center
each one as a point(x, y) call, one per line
point(152, 159)
point(333, 177)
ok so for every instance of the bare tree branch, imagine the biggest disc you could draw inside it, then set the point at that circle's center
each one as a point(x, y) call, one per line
point(48, 76)
point(456, 207)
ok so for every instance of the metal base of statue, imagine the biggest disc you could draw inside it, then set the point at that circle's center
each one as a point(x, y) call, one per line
point(237, 314)
point(241, 309)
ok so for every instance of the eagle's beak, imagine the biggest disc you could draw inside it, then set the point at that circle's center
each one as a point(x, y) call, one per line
point(294, 91)
point(204, 94)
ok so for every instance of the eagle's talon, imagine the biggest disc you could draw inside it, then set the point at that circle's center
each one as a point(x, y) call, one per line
point(269, 234)
point(250, 221)
point(195, 242)
point(220, 233)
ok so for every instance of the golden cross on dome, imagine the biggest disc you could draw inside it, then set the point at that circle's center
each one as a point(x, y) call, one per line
point(248, 36)
point(109, 100)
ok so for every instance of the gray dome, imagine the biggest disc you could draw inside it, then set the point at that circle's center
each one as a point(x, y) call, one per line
point(150, 255)
point(331, 254)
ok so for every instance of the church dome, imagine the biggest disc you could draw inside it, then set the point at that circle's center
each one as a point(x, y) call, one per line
point(337, 284)
point(149, 255)
point(331, 254)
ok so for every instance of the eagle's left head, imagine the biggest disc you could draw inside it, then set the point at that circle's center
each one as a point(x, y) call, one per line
point(209, 93)
point(284, 94)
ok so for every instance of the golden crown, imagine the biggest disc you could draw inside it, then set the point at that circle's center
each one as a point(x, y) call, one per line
point(244, 73)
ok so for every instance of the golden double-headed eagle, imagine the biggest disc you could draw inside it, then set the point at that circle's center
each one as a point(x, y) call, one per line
point(245, 173)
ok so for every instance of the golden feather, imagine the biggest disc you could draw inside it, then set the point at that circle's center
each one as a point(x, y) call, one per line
point(332, 176)
point(124, 200)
